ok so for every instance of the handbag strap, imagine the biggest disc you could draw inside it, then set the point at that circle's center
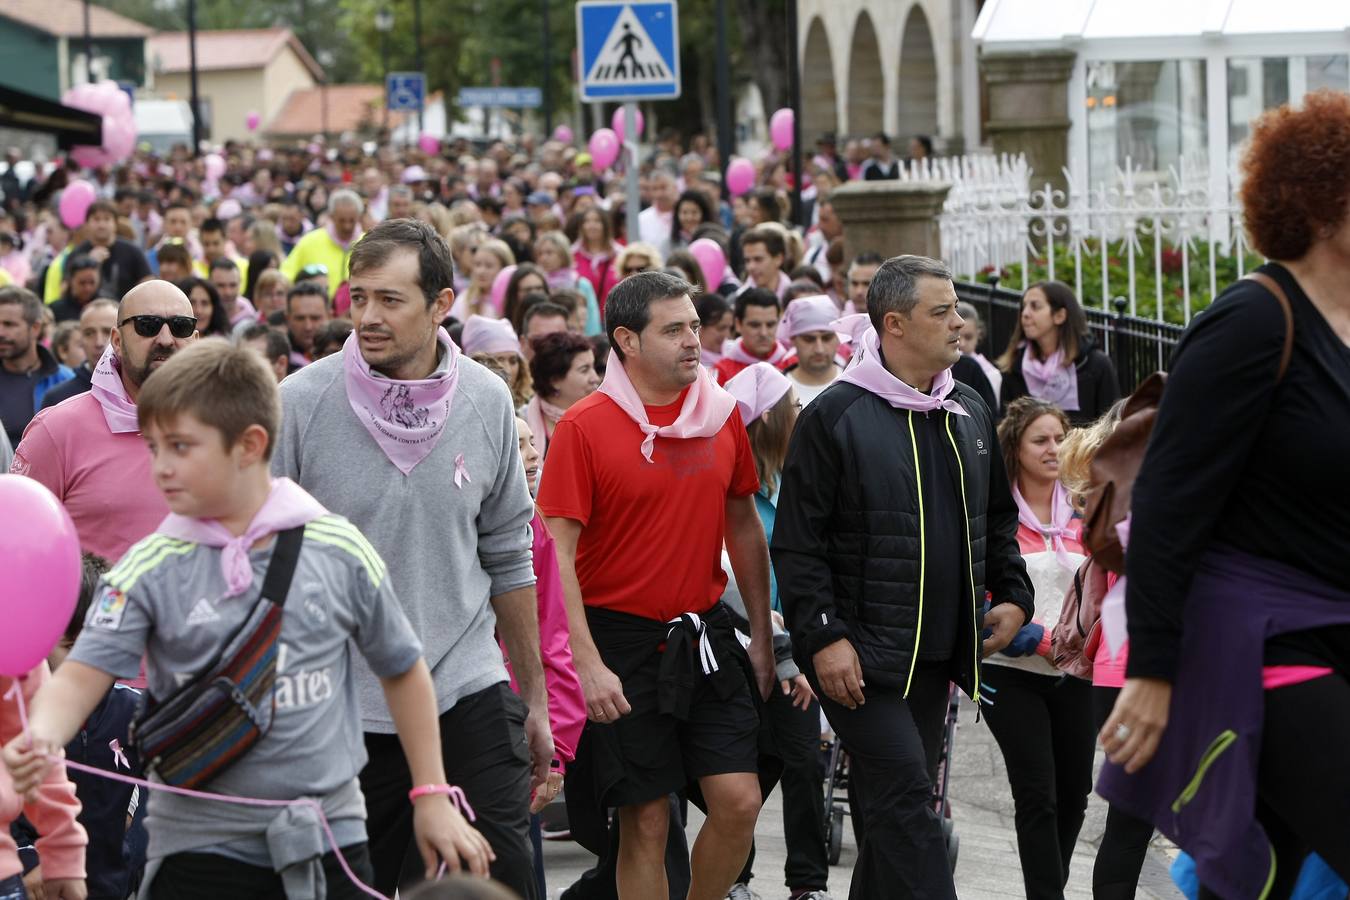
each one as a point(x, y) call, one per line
point(1274, 287)
point(281, 568)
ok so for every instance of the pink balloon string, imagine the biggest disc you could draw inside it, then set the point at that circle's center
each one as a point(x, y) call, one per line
point(456, 795)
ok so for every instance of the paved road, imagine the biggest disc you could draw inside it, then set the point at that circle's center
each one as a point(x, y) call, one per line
point(982, 806)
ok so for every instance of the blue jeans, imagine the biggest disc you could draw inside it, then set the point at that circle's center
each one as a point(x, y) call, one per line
point(12, 888)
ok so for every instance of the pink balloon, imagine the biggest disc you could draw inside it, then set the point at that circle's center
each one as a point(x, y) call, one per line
point(780, 128)
point(711, 260)
point(499, 285)
point(119, 137)
point(617, 120)
point(563, 134)
point(740, 176)
point(39, 573)
point(253, 120)
point(90, 157)
point(75, 202)
point(604, 147)
point(215, 166)
point(430, 144)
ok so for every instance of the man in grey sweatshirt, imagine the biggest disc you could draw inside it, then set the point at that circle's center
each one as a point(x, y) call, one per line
point(416, 444)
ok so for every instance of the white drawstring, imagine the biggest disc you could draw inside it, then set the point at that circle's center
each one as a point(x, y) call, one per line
point(705, 650)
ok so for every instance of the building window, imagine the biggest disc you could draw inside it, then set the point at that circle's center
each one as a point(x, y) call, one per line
point(1256, 84)
point(1150, 113)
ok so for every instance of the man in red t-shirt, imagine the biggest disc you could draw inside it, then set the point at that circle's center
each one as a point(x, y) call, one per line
point(646, 479)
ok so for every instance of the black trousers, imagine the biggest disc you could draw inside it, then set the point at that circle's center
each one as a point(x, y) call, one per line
point(1043, 725)
point(1303, 788)
point(487, 755)
point(890, 741)
point(210, 876)
point(794, 734)
point(1120, 855)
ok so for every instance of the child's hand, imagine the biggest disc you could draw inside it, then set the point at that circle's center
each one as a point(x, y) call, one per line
point(443, 834)
point(66, 889)
point(26, 757)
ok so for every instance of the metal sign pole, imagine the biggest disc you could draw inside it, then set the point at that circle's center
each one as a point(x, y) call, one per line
point(634, 202)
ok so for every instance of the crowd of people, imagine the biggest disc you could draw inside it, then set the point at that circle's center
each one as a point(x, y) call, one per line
point(592, 512)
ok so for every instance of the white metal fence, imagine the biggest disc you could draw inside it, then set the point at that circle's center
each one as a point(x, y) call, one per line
point(1157, 239)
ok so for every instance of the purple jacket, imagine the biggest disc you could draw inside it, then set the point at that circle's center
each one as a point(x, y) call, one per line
point(1200, 788)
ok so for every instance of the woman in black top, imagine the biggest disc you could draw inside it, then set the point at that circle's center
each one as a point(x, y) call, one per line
point(1258, 465)
point(1051, 356)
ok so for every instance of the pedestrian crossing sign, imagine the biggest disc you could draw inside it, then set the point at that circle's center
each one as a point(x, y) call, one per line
point(629, 50)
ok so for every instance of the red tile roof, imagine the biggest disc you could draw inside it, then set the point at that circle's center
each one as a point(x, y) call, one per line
point(351, 107)
point(65, 18)
point(243, 48)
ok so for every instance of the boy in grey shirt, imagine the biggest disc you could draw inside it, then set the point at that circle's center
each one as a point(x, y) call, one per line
point(178, 596)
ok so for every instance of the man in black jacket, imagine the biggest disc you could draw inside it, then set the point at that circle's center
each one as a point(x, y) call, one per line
point(895, 512)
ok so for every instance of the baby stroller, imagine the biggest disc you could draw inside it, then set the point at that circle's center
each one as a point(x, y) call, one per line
point(839, 802)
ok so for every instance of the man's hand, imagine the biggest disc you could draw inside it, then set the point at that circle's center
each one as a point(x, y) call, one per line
point(99, 254)
point(605, 701)
point(64, 889)
point(540, 736)
point(547, 792)
point(800, 691)
point(1004, 620)
point(26, 757)
point(443, 834)
point(1135, 727)
point(840, 673)
point(764, 665)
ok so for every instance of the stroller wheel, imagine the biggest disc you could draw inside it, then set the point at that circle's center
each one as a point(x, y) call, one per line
point(836, 836)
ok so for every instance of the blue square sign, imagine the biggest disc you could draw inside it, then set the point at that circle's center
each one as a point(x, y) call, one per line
point(405, 91)
point(629, 50)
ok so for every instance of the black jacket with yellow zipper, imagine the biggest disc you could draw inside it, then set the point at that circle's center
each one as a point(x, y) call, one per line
point(848, 548)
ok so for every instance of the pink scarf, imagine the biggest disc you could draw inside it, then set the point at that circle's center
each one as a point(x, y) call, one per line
point(1115, 626)
point(345, 245)
point(119, 411)
point(538, 413)
point(735, 350)
point(561, 279)
point(1051, 379)
point(287, 506)
point(1061, 514)
point(868, 372)
point(706, 406)
point(406, 418)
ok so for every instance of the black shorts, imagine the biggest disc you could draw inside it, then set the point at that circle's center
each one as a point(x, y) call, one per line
point(649, 754)
point(210, 875)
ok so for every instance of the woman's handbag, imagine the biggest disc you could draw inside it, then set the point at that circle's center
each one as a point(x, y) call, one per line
point(206, 726)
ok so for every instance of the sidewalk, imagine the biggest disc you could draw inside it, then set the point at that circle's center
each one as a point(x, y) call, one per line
point(987, 866)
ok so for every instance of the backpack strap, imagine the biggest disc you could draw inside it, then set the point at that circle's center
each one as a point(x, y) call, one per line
point(1274, 287)
point(281, 568)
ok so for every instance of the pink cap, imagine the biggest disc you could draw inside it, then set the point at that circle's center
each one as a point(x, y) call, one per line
point(756, 389)
point(228, 209)
point(484, 335)
point(805, 314)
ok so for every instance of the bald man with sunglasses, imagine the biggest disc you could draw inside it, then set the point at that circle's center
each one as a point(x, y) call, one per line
point(88, 450)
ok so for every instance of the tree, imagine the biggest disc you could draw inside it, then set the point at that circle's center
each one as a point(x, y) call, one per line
point(765, 23)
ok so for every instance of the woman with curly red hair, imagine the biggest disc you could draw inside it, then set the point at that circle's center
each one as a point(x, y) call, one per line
point(1231, 729)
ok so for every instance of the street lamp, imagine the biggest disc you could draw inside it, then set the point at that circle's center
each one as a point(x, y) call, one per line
point(384, 23)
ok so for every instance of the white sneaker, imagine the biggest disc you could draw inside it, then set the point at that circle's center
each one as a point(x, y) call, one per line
point(815, 895)
point(741, 892)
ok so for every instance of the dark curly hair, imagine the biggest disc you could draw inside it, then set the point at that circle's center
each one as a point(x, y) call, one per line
point(1296, 175)
point(553, 357)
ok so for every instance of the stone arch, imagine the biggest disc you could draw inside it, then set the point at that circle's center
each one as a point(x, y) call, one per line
point(918, 82)
point(866, 80)
point(820, 104)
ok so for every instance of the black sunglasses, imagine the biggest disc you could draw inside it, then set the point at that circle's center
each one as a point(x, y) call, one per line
point(181, 327)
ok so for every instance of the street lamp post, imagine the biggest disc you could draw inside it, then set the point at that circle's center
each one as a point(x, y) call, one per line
point(384, 23)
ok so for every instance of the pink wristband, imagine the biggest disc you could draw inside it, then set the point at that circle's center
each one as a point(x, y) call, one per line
point(423, 790)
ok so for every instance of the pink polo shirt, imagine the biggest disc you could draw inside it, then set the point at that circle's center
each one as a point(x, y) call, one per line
point(103, 479)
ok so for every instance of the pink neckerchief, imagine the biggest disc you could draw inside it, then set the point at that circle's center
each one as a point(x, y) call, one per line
point(345, 245)
point(406, 418)
point(119, 410)
point(538, 414)
point(561, 279)
point(868, 372)
point(287, 506)
point(243, 309)
point(1051, 379)
point(705, 410)
point(735, 350)
point(1061, 514)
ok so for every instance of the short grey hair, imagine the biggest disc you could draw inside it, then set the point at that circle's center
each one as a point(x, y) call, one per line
point(346, 197)
point(895, 287)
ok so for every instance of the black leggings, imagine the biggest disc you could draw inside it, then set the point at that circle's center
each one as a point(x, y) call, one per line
point(1043, 725)
point(1303, 787)
point(1120, 856)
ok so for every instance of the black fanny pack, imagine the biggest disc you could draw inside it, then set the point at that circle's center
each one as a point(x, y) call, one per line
point(206, 726)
